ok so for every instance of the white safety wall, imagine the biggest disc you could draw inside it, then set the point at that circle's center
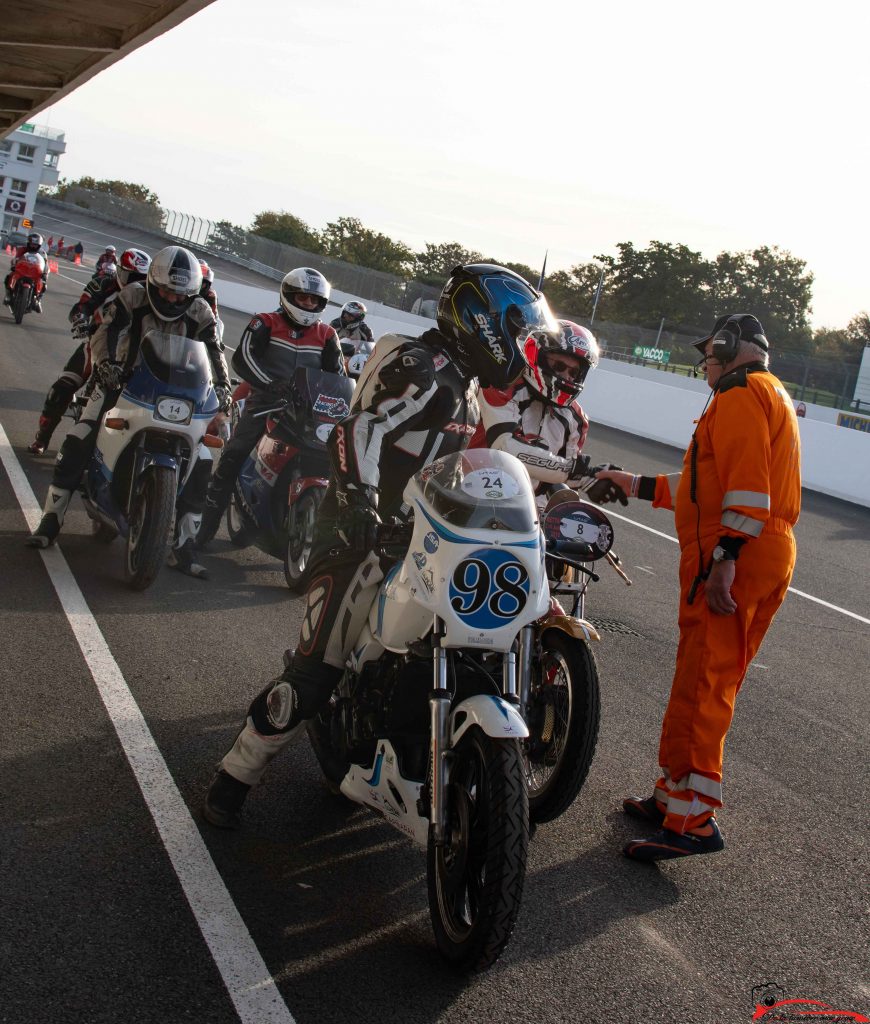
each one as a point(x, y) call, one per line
point(834, 460)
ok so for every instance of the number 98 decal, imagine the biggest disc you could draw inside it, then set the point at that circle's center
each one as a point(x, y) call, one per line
point(489, 589)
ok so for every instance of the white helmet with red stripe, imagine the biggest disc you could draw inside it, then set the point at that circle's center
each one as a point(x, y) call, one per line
point(304, 285)
point(558, 361)
point(133, 266)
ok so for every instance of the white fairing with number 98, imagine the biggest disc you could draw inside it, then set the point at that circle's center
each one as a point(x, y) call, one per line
point(476, 558)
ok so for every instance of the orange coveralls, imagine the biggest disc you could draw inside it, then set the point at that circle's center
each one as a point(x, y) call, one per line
point(747, 484)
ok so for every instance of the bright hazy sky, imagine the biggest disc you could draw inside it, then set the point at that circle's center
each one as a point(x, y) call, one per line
point(510, 127)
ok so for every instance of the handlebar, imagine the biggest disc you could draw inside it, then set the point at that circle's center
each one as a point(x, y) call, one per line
point(268, 412)
point(579, 566)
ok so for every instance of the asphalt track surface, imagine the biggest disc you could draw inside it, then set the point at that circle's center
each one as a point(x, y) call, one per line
point(316, 911)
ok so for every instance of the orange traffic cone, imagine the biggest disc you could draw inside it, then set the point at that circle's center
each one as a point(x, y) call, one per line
point(52, 266)
point(77, 260)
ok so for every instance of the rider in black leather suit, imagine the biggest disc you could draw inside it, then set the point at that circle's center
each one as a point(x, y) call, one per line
point(414, 402)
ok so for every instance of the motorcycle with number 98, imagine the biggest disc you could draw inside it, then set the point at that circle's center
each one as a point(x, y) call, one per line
point(443, 712)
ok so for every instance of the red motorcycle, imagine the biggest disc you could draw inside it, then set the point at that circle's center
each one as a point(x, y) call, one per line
point(26, 283)
point(279, 488)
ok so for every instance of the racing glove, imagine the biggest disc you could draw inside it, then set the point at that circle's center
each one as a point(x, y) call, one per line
point(109, 375)
point(224, 395)
point(602, 492)
point(579, 472)
point(358, 521)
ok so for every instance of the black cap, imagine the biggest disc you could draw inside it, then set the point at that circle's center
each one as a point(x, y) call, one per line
point(747, 327)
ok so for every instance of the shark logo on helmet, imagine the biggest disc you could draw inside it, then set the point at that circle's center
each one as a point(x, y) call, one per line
point(495, 346)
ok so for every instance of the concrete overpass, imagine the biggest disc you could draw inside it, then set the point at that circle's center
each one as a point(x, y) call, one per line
point(51, 48)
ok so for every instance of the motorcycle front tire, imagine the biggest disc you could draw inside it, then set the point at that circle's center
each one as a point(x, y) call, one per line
point(563, 716)
point(150, 527)
point(297, 553)
point(475, 879)
point(20, 302)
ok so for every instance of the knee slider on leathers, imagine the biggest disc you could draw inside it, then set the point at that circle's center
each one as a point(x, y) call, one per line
point(293, 697)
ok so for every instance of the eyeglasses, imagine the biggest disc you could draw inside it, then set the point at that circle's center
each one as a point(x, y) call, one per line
point(562, 368)
point(305, 300)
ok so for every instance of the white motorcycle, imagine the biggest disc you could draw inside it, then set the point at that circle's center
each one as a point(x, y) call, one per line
point(147, 446)
point(427, 724)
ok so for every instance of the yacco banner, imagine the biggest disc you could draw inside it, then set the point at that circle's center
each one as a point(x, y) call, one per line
point(656, 355)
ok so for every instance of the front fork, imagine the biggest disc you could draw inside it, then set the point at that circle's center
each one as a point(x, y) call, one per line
point(515, 691)
point(439, 716)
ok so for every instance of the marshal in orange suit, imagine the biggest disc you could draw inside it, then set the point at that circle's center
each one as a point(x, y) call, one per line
point(735, 503)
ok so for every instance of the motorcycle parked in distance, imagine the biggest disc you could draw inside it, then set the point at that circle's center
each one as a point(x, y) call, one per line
point(450, 697)
point(282, 482)
point(147, 446)
point(26, 284)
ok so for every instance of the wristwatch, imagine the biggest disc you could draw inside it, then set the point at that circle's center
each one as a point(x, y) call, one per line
point(721, 555)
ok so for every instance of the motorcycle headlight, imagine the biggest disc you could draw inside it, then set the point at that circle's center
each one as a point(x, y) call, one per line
point(174, 410)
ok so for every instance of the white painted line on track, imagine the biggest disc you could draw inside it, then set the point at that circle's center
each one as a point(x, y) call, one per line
point(248, 981)
point(800, 593)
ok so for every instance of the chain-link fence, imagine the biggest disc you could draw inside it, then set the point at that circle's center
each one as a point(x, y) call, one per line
point(272, 259)
point(825, 381)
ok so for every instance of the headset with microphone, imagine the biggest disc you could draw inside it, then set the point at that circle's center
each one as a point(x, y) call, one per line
point(727, 334)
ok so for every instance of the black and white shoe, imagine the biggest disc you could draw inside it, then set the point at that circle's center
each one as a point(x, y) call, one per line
point(184, 560)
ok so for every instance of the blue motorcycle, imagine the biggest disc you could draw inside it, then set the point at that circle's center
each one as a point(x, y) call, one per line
point(147, 446)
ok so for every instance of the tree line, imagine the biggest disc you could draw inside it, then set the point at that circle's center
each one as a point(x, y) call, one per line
point(644, 287)
point(641, 286)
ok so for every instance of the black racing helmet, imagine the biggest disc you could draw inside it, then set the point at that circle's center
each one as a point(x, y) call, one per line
point(486, 311)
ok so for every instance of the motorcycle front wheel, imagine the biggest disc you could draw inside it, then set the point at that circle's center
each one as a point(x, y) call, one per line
point(563, 716)
point(297, 554)
point(150, 526)
point(20, 302)
point(476, 878)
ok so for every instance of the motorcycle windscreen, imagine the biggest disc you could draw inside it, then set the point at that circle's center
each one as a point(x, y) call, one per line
point(480, 489)
point(329, 394)
point(179, 362)
point(32, 259)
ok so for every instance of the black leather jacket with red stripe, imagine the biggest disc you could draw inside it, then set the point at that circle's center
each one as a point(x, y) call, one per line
point(271, 348)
